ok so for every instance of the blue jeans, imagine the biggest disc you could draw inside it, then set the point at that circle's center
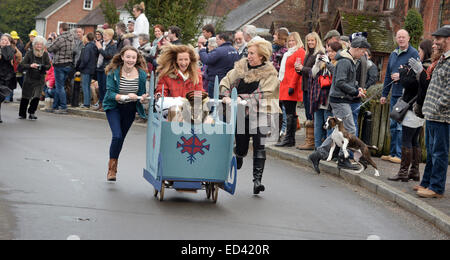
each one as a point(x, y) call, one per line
point(120, 120)
point(101, 79)
point(86, 85)
point(49, 92)
point(437, 142)
point(211, 88)
point(396, 133)
point(60, 99)
point(355, 110)
point(306, 103)
point(320, 117)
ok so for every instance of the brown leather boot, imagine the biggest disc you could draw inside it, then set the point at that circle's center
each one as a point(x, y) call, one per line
point(402, 174)
point(309, 139)
point(112, 170)
point(414, 173)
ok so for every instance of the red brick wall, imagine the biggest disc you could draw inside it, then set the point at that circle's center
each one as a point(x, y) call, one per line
point(70, 13)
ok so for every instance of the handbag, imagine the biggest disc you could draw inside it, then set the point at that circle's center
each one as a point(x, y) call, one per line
point(324, 81)
point(4, 92)
point(400, 109)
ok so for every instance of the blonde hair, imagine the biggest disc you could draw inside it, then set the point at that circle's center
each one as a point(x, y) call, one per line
point(319, 46)
point(117, 61)
point(264, 48)
point(297, 38)
point(109, 32)
point(167, 62)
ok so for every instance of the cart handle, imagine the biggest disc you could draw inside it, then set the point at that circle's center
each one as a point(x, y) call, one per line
point(127, 98)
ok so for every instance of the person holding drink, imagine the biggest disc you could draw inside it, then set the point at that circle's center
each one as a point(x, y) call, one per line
point(291, 86)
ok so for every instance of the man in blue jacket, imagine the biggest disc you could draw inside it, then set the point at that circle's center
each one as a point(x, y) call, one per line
point(399, 56)
point(219, 61)
point(87, 65)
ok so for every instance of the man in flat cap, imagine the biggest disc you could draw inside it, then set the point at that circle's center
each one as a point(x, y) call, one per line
point(436, 109)
point(344, 91)
point(332, 36)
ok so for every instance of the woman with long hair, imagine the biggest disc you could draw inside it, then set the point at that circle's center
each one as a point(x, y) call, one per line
point(412, 124)
point(314, 48)
point(321, 76)
point(290, 88)
point(36, 63)
point(126, 80)
point(178, 71)
point(7, 73)
point(255, 79)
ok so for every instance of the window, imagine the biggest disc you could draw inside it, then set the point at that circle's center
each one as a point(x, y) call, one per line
point(391, 4)
point(415, 4)
point(325, 6)
point(87, 4)
point(71, 26)
point(360, 5)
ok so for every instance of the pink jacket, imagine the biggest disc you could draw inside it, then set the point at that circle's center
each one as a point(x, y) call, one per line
point(50, 77)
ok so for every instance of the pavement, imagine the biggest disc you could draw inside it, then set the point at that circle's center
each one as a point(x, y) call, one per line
point(435, 211)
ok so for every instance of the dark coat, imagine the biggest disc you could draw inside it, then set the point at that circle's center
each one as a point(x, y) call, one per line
point(395, 61)
point(308, 63)
point(6, 68)
point(220, 61)
point(88, 60)
point(108, 53)
point(344, 88)
point(34, 78)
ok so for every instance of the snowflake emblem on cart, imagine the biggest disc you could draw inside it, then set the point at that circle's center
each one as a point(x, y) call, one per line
point(193, 146)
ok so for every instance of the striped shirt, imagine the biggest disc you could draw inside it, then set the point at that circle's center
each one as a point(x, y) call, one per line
point(128, 86)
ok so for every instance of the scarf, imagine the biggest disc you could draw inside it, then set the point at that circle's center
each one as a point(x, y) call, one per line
point(283, 62)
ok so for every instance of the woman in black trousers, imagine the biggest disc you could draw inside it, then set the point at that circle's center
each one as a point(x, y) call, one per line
point(7, 73)
point(255, 79)
point(36, 63)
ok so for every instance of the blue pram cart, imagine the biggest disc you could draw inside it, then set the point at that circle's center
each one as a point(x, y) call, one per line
point(189, 157)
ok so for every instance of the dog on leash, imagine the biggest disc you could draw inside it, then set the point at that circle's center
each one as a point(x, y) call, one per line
point(346, 141)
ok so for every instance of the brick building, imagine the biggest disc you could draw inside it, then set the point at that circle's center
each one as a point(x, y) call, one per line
point(380, 18)
point(63, 11)
point(95, 18)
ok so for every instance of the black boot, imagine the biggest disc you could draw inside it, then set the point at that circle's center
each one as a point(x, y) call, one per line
point(291, 128)
point(239, 159)
point(259, 161)
point(23, 108)
point(402, 174)
point(315, 158)
point(344, 163)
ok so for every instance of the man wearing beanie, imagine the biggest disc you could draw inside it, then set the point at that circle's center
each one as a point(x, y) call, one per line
point(344, 91)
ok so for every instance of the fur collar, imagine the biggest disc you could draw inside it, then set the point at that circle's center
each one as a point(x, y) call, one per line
point(241, 67)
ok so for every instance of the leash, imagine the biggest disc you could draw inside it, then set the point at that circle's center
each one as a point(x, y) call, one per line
point(367, 101)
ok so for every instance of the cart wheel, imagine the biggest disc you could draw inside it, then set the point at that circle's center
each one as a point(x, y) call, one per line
point(161, 193)
point(208, 190)
point(215, 192)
